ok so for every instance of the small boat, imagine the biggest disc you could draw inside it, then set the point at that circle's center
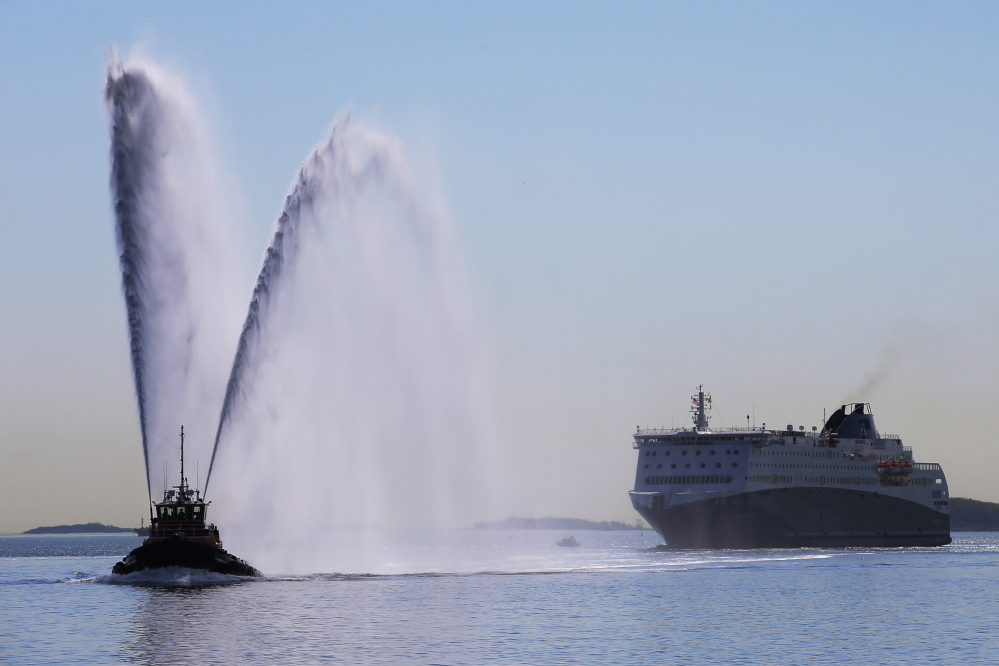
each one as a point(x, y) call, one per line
point(178, 536)
point(568, 542)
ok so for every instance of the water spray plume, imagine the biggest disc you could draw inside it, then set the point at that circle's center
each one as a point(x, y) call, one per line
point(355, 400)
point(176, 256)
point(281, 250)
point(355, 396)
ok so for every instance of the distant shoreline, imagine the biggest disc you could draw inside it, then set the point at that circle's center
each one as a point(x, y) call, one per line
point(966, 515)
point(557, 524)
point(80, 528)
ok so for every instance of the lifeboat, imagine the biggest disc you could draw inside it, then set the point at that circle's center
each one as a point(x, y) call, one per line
point(894, 467)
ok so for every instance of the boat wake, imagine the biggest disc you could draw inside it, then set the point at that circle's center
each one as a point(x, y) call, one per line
point(169, 577)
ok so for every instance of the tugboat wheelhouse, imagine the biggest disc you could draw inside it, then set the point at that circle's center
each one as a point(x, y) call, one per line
point(180, 536)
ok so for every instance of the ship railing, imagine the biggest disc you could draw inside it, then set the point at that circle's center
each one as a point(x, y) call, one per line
point(927, 467)
point(187, 528)
point(756, 429)
point(700, 440)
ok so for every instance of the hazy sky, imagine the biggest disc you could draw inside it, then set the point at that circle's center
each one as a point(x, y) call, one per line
point(791, 203)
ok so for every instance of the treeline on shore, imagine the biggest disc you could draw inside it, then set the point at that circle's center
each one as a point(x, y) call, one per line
point(968, 515)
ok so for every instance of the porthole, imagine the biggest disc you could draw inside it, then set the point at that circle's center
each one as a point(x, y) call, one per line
point(735, 464)
point(698, 452)
point(712, 451)
point(687, 465)
point(646, 465)
point(728, 452)
point(716, 465)
point(653, 453)
point(666, 453)
point(684, 453)
point(659, 466)
point(648, 453)
point(673, 466)
point(702, 465)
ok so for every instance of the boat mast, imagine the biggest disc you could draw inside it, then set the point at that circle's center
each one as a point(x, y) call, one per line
point(182, 460)
point(700, 400)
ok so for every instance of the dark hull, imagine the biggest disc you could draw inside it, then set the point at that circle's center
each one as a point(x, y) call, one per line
point(183, 553)
point(799, 517)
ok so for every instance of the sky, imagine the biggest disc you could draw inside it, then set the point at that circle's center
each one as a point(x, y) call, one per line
point(793, 204)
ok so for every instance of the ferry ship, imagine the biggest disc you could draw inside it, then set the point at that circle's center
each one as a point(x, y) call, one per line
point(179, 536)
point(846, 485)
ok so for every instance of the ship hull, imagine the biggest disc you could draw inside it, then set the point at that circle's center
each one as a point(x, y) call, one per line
point(183, 553)
point(798, 517)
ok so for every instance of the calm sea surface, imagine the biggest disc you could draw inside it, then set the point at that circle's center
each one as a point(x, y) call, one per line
point(512, 597)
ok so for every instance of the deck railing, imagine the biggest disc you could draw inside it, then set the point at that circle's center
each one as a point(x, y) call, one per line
point(187, 528)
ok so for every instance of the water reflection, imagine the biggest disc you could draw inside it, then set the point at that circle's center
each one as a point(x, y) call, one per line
point(188, 625)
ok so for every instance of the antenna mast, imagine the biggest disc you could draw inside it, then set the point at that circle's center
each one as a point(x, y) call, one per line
point(182, 459)
point(701, 403)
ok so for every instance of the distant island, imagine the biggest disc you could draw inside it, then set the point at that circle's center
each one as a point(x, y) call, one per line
point(82, 528)
point(968, 515)
point(558, 524)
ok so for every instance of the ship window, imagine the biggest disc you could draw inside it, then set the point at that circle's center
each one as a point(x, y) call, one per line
point(712, 451)
point(702, 465)
point(653, 453)
point(666, 454)
point(673, 466)
point(646, 465)
point(698, 452)
point(717, 464)
point(684, 453)
point(659, 466)
point(687, 465)
point(728, 452)
point(735, 464)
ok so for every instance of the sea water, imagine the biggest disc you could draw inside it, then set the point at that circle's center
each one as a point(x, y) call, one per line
point(483, 596)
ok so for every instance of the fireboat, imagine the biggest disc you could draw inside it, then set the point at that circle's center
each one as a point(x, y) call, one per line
point(180, 537)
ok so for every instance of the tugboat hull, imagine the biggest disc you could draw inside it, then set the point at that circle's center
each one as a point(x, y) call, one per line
point(183, 553)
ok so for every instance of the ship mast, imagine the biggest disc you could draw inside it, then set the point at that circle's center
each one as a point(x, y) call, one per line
point(702, 403)
point(182, 487)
